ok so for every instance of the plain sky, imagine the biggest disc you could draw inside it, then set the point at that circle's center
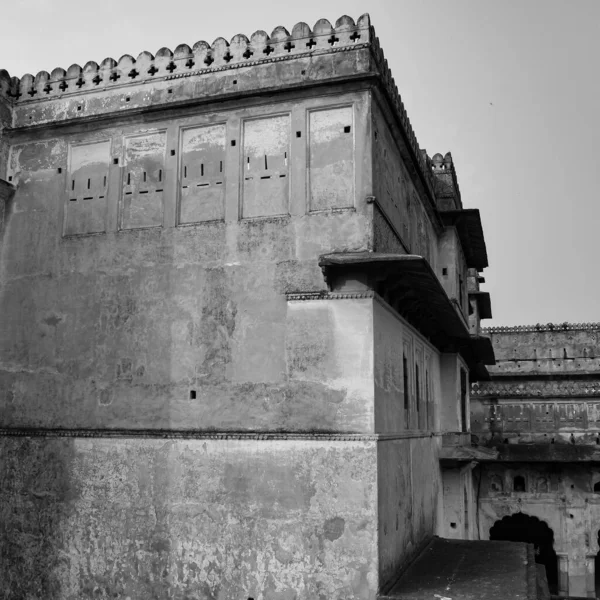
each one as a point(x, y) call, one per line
point(510, 87)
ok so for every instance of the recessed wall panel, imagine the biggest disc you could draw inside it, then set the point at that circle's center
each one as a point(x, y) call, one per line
point(201, 174)
point(265, 168)
point(331, 159)
point(143, 181)
point(87, 187)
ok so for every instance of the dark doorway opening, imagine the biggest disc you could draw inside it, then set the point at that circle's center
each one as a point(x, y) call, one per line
point(525, 528)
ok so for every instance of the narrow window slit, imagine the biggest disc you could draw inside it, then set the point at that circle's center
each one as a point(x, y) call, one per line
point(282, 175)
point(219, 183)
point(159, 190)
point(128, 193)
point(266, 177)
point(73, 184)
point(128, 178)
point(220, 166)
point(89, 198)
point(202, 184)
point(143, 191)
point(160, 175)
point(185, 187)
point(185, 171)
point(73, 200)
point(201, 169)
point(266, 166)
point(144, 175)
point(105, 181)
point(89, 183)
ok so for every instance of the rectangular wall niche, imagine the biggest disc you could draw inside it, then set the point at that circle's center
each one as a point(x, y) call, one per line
point(331, 158)
point(143, 181)
point(265, 168)
point(87, 186)
point(201, 174)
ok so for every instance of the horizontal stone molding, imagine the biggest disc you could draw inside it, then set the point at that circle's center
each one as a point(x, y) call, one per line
point(206, 435)
point(536, 389)
point(539, 327)
point(303, 296)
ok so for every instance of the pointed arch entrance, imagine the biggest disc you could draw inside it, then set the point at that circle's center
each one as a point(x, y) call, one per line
point(525, 528)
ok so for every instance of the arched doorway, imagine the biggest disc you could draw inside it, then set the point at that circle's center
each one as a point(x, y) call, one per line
point(525, 528)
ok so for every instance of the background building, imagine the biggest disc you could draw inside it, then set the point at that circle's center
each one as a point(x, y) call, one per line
point(541, 412)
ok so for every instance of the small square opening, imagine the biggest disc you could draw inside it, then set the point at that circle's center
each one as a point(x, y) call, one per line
point(192, 394)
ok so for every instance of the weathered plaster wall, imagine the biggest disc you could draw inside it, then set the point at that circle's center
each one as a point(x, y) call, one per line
point(452, 261)
point(450, 410)
point(331, 347)
point(409, 485)
point(168, 326)
point(227, 519)
point(560, 495)
point(395, 339)
point(459, 521)
point(548, 351)
point(397, 196)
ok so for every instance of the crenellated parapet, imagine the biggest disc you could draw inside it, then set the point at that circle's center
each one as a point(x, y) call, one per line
point(447, 192)
point(186, 61)
point(548, 327)
point(206, 71)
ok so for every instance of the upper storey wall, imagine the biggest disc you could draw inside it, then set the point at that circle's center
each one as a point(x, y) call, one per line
point(144, 269)
point(241, 68)
point(546, 349)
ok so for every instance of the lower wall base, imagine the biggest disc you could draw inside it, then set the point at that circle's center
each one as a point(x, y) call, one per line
point(183, 519)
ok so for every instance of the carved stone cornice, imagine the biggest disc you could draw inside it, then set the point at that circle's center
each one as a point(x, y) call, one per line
point(536, 389)
point(303, 296)
point(208, 435)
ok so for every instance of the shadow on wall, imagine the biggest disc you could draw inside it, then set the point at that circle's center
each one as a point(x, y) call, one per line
point(525, 528)
point(35, 492)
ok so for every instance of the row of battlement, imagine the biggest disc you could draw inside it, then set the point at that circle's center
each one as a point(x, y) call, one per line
point(542, 328)
point(239, 52)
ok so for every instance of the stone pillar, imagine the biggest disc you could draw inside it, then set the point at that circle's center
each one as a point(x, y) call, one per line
point(563, 573)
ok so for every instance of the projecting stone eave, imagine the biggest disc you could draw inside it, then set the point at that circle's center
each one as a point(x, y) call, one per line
point(408, 284)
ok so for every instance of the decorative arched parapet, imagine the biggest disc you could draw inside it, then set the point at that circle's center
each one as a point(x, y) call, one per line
point(323, 35)
point(125, 67)
point(183, 58)
point(163, 63)
point(301, 33)
point(143, 63)
point(202, 54)
point(108, 72)
point(90, 74)
point(280, 42)
point(27, 85)
point(220, 53)
point(4, 83)
point(239, 47)
point(346, 31)
point(58, 82)
point(40, 83)
point(259, 40)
